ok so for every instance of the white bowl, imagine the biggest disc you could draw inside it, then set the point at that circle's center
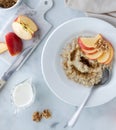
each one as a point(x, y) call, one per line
point(18, 3)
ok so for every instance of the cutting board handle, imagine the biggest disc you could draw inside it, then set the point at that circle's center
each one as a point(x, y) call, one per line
point(44, 6)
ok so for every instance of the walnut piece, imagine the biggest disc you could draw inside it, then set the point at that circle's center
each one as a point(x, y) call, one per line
point(46, 113)
point(37, 116)
point(102, 45)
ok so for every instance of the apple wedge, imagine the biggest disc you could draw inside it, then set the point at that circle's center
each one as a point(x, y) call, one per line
point(14, 43)
point(24, 27)
point(3, 47)
point(88, 43)
point(95, 55)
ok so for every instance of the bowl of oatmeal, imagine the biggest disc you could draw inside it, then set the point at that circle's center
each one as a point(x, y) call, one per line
point(69, 72)
point(80, 67)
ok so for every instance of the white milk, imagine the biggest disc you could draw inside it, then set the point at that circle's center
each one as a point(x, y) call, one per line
point(23, 94)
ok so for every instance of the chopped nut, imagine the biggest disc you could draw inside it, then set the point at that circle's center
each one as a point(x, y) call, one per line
point(37, 116)
point(46, 113)
point(102, 45)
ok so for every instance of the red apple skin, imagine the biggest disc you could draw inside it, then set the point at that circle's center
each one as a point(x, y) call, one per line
point(14, 43)
point(83, 46)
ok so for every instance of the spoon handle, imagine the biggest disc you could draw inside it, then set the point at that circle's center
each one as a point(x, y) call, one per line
point(76, 115)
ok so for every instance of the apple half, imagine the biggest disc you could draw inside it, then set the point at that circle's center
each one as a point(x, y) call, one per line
point(24, 27)
point(14, 43)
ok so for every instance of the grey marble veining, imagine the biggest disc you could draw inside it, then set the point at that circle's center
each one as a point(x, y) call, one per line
point(97, 118)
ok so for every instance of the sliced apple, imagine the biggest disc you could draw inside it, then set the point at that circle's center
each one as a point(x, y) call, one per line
point(89, 42)
point(103, 58)
point(14, 43)
point(3, 47)
point(95, 55)
point(111, 55)
point(88, 46)
point(24, 27)
point(81, 44)
point(89, 51)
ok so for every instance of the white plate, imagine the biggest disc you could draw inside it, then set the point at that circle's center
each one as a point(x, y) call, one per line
point(67, 90)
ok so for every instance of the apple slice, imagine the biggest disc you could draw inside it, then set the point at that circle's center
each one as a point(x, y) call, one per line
point(89, 51)
point(89, 42)
point(95, 55)
point(111, 55)
point(14, 43)
point(3, 47)
point(83, 46)
point(24, 27)
point(103, 58)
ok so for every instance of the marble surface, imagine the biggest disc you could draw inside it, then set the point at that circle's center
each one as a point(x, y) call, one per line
point(97, 118)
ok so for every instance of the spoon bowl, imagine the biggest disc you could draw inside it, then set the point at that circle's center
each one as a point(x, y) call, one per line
point(106, 77)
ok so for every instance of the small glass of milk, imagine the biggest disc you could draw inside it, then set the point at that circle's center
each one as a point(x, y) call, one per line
point(23, 95)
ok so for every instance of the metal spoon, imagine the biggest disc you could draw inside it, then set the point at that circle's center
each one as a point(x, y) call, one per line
point(105, 79)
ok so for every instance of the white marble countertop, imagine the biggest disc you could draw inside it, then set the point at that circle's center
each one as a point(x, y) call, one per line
point(97, 118)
